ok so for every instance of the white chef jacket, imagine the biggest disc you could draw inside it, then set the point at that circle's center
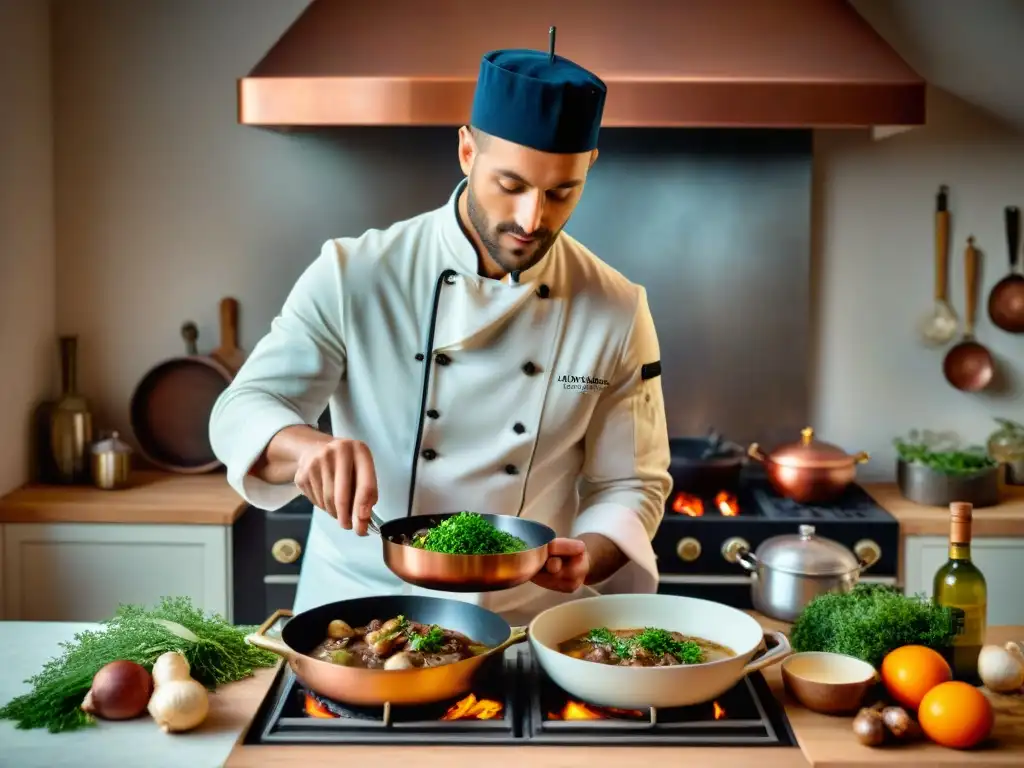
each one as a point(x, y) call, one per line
point(540, 398)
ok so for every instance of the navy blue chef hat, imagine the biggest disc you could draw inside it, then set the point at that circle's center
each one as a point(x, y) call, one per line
point(539, 100)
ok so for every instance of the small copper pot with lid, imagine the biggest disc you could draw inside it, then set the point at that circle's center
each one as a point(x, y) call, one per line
point(810, 471)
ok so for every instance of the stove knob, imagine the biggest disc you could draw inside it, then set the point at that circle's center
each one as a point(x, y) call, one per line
point(688, 549)
point(868, 552)
point(733, 548)
point(286, 550)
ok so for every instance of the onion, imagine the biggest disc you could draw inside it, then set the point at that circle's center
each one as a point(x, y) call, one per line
point(120, 691)
point(1000, 668)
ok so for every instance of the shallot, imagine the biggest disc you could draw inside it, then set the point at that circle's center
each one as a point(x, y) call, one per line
point(120, 691)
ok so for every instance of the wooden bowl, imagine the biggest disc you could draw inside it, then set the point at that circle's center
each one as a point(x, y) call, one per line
point(829, 683)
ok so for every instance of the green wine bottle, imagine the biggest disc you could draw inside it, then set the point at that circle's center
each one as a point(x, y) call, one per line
point(960, 585)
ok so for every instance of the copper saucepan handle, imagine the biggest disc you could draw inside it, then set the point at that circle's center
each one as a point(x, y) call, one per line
point(260, 640)
point(754, 452)
point(775, 655)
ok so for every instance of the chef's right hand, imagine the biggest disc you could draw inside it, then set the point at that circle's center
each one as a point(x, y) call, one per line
point(339, 477)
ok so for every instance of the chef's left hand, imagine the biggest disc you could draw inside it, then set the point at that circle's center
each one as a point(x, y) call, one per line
point(567, 566)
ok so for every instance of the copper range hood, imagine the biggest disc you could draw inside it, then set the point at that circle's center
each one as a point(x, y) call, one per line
point(667, 63)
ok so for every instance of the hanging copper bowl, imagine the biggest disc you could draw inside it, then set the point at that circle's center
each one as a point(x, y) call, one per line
point(809, 471)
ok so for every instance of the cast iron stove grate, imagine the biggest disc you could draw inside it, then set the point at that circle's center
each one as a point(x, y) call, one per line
point(747, 714)
point(293, 715)
point(530, 714)
point(854, 504)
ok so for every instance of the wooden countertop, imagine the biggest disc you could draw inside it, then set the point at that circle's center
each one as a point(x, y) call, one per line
point(824, 742)
point(1006, 519)
point(155, 498)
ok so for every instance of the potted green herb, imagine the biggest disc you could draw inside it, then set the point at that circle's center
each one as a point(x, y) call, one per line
point(935, 470)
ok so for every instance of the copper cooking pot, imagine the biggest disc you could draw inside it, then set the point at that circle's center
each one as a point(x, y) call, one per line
point(810, 471)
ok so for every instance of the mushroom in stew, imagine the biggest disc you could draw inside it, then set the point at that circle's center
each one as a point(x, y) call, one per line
point(397, 643)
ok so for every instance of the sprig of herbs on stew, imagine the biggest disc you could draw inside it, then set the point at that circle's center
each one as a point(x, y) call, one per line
point(430, 642)
point(656, 642)
point(467, 533)
point(941, 455)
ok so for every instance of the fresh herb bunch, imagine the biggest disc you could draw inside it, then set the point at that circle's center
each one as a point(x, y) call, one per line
point(216, 651)
point(870, 621)
point(657, 642)
point(941, 453)
point(467, 533)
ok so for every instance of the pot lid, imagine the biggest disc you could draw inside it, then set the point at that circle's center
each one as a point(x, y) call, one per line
point(809, 452)
point(806, 554)
point(112, 444)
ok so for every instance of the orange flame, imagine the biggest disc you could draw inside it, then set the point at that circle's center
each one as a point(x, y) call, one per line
point(719, 712)
point(693, 506)
point(726, 504)
point(316, 709)
point(577, 710)
point(472, 708)
point(686, 504)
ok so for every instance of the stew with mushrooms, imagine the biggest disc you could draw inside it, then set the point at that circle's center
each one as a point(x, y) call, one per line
point(648, 647)
point(397, 643)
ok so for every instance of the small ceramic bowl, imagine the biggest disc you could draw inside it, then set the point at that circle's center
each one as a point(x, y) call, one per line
point(829, 683)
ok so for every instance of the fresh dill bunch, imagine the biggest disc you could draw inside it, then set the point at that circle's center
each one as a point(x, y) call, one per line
point(467, 533)
point(216, 652)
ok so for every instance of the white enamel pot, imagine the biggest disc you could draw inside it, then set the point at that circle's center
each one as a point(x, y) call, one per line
point(643, 687)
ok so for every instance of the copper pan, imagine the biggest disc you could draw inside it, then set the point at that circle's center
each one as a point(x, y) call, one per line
point(387, 687)
point(1006, 302)
point(462, 573)
point(969, 366)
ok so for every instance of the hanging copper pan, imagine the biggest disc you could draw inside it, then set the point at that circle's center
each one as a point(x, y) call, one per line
point(1006, 302)
point(969, 365)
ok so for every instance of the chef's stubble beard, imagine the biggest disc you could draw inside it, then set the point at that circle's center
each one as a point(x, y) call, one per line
point(489, 237)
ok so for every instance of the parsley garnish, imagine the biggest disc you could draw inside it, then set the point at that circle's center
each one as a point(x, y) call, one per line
point(430, 642)
point(467, 533)
point(656, 642)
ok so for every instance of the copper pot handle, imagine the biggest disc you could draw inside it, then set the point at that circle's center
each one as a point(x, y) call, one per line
point(754, 452)
point(861, 457)
point(260, 640)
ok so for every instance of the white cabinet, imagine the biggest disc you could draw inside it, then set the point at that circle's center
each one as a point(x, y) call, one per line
point(999, 559)
point(82, 571)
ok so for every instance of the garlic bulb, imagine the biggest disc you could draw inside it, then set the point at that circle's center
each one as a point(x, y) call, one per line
point(1001, 668)
point(179, 705)
point(178, 702)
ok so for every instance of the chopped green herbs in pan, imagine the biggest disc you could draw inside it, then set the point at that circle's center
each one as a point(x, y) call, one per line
point(467, 533)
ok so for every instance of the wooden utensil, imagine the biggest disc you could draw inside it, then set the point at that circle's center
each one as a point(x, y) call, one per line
point(969, 366)
point(170, 409)
point(1006, 302)
point(228, 353)
point(939, 326)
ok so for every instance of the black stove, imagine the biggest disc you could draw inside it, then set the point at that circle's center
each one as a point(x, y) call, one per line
point(699, 529)
point(515, 703)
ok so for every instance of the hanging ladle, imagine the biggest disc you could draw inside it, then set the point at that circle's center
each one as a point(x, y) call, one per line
point(939, 326)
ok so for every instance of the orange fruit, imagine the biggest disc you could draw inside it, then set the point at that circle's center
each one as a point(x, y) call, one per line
point(956, 715)
point(908, 673)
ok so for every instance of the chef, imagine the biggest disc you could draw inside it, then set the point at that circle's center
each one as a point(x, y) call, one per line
point(474, 357)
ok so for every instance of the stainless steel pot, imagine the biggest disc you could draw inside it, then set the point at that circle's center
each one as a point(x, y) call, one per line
point(790, 570)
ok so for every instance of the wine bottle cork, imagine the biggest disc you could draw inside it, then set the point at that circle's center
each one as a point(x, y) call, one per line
point(960, 515)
